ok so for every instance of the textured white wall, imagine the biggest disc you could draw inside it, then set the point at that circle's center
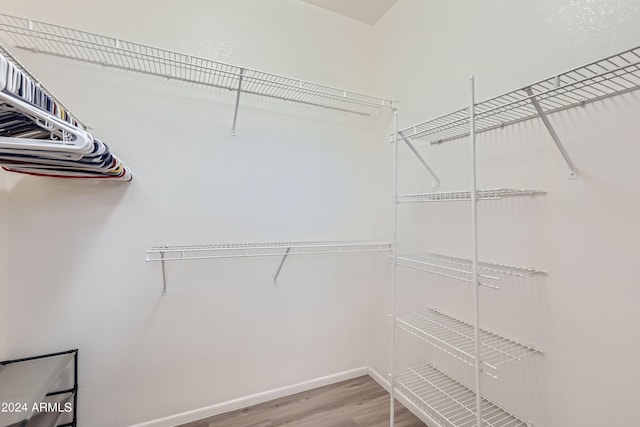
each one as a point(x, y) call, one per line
point(224, 332)
point(583, 232)
point(78, 276)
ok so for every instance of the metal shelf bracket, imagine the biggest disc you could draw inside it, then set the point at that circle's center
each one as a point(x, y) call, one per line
point(552, 132)
point(421, 159)
point(164, 276)
point(284, 258)
point(238, 92)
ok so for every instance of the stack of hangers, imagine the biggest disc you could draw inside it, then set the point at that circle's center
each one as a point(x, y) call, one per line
point(39, 137)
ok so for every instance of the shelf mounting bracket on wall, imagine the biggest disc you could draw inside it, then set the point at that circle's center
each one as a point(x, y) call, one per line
point(552, 132)
point(164, 276)
point(238, 91)
point(421, 159)
point(284, 258)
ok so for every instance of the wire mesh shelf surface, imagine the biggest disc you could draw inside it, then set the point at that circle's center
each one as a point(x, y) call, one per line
point(238, 250)
point(461, 268)
point(449, 402)
point(457, 339)
point(607, 77)
point(108, 51)
point(453, 196)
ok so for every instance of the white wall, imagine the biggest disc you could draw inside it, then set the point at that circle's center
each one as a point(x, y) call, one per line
point(292, 173)
point(584, 315)
point(295, 173)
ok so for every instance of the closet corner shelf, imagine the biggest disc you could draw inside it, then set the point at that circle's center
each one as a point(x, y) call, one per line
point(449, 402)
point(456, 338)
point(84, 46)
point(461, 268)
point(242, 250)
point(29, 381)
point(456, 196)
point(613, 75)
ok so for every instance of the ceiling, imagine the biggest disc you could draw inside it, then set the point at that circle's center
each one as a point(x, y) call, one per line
point(367, 11)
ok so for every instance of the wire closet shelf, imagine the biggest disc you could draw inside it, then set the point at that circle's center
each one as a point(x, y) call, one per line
point(456, 338)
point(462, 268)
point(112, 52)
point(601, 79)
point(449, 402)
point(456, 196)
point(241, 250)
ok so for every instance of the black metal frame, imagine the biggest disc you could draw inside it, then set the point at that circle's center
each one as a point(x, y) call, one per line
point(73, 390)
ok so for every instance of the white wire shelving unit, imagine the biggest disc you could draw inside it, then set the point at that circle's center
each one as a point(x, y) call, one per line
point(607, 77)
point(449, 402)
point(456, 338)
point(483, 350)
point(163, 253)
point(41, 37)
point(461, 196)
point(462, 268)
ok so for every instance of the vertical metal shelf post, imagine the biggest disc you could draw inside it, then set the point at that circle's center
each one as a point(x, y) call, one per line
point(394, 267)
point(474, 239)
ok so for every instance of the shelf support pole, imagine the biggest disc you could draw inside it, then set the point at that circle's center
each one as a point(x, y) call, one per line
point(394, 268)
point(421, 159)
point(552, 132)
point(164, 277)
point(238, 91)
point(474, 238)
point(284, 258)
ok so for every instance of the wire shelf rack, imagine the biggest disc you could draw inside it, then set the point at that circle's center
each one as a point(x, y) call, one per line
point(457, 196)
point(601, 79)
point(449, 402)
point(112, 52)
point(240, 250)
point(461, 268)
point(456, 338)
point(4, 52)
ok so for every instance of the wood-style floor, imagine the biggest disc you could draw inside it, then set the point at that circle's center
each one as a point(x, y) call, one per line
point(354, 403)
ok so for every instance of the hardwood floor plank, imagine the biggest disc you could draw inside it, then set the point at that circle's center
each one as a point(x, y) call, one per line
point(359, 402)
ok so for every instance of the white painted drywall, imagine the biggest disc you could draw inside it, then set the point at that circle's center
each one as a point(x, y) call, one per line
point(78, 276)
point(224, 332)
point(584, 232)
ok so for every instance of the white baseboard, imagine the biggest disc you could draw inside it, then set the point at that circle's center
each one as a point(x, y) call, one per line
point(254, 399)
point(412, 407)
